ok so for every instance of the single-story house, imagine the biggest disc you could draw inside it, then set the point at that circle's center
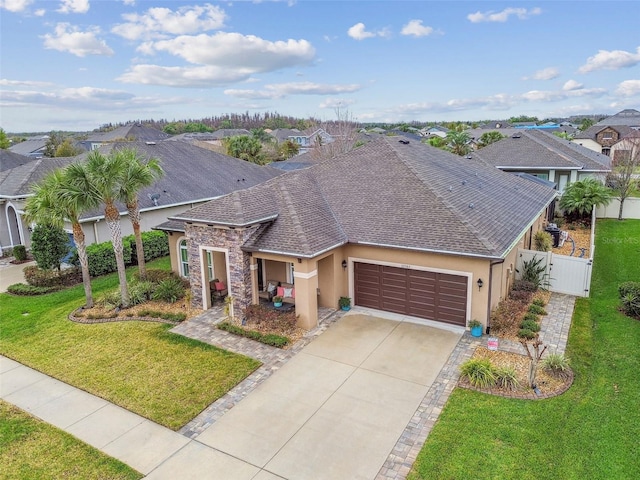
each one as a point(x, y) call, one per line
point(307, 139)
point(32, 147)
point(544, 155)
point(130, 132)
point(193, 175)
point(395, 225)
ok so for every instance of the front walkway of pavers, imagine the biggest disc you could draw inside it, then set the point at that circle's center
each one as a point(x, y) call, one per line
point(554, 332)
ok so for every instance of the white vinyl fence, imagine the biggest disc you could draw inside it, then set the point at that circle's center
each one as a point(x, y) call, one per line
point(563, 274)
point(631, 209)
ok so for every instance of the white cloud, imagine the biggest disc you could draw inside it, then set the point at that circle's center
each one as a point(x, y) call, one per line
point(415, 28)
point(572, 85)
point(15, 5)
point(204, 76)
point(237, 50)
point(69, 38)
point(359, 32)
point(545, 74)
point(74, 6)
point(628, 88)
point(157, 22)
point(610, 60)
point(129, 2)
point(40, 12)
point(334, 103)
point(503, 16)
point(282, 90)
point(23, 83)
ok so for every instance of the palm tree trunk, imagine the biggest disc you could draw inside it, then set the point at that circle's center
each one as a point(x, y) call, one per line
point(134, 216)
point(621, 207)
point(112, 217)
point(78, 239)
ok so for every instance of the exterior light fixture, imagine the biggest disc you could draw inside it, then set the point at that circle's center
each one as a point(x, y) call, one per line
point(480, 283)
point(344, 264)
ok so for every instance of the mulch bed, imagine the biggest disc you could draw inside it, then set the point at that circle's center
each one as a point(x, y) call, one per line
point(582, 238)
point(99, 314)
point(548, 385)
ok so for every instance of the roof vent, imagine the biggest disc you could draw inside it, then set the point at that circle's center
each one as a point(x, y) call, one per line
point(516, 135)
point(154, 198)
point(404, 142)
point(471, 205)
point(450, 189)
point(464, 182)
point(150, 143)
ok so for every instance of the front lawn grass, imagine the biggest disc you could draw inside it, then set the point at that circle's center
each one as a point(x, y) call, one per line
point(592, 430)
point(140, 366)
point(30, 448)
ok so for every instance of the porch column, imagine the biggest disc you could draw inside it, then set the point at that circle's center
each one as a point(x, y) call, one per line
point(552, 175)
point(254, 280)
point(573, 176)
point(307, 297)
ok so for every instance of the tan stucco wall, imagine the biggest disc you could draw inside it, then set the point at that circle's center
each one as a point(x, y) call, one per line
point(590, 144)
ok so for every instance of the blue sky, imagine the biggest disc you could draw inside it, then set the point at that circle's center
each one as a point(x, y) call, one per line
point(76, 64)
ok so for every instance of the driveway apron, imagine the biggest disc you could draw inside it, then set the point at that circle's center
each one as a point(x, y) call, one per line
point(335, 410)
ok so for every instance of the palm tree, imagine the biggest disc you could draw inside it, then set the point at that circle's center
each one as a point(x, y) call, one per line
point(104, 176)
point(458, 143)
point(579, 198)
point(136, 176)
point(56, 198)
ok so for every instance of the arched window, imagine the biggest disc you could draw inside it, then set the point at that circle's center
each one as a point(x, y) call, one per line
point(184, 258)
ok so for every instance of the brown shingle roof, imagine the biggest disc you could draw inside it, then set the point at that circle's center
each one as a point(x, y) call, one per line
point(385, 193)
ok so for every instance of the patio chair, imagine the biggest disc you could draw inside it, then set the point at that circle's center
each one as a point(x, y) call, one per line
point(218, 290)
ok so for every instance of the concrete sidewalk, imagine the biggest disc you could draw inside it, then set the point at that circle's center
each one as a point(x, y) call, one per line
point(10, 274)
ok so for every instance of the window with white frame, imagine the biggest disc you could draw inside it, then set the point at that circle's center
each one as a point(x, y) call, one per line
point(184, 259)
point(210, 263)
point(290, 270)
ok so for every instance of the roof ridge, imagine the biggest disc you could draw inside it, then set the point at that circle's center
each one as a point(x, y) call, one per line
point(288, 202)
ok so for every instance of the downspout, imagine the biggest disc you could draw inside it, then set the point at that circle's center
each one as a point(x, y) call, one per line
point(495, 262)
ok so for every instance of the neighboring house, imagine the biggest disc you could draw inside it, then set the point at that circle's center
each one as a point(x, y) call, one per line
point(435, 131)
point(625, 146)
point(132, 132)
point(607, 132)
point(192, 175)
point(15, 187)
point(307, 139)
point(544, 155)
point(396, 225)
point(211, 138)
point(9, 160)
point(33, 147)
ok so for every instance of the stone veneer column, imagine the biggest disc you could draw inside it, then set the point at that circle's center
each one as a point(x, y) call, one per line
point(238, 262)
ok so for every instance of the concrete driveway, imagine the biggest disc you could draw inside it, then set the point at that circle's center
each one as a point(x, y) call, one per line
point(10, 274)
point(334, 411)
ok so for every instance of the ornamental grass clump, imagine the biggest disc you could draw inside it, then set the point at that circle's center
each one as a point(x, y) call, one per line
point(556, 365)
point(479, 372)
point(507, 378)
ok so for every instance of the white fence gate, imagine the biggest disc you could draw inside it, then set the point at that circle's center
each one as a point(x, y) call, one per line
point(565, 274)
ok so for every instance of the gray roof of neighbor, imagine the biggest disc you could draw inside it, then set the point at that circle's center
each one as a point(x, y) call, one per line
point(538, 149)
point(134, 131)
point(386, 193)
point(9, 160)
point(17, 182)
point(28, 146)
point(628, 117)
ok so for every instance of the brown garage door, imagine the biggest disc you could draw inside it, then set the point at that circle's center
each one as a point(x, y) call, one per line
point(431, 295)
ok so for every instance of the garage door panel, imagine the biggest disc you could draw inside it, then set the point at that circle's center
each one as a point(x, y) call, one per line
point(431, 295)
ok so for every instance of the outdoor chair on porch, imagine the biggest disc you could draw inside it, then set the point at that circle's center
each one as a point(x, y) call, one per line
point(218, 290)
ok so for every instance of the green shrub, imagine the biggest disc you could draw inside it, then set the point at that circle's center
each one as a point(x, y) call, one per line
point(530, 325)
point(140, 292)
point(111, 299)
point(507, 313)
point(537, 309)
point(20, 253)
point(539, 302)
point(533, 271)
point(531, 316)
point(29, 290)
point(268, 339)
point(542, 241)
point(169, 290)
point(506, 377)
point(479, 372)
point(556, 364)
point(156, 275)
point(525, 333)
point(49, 246)
point(52, 278)
point(155, 245)
point(631, 305)
point(102, 259)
